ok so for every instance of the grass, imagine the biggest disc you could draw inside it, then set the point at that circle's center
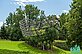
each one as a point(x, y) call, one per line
point(19, 47)
point(4, 51)
point(10, 45)
point(60, 51)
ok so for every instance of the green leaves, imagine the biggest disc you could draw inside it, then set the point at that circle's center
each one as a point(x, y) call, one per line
point(74, 23)
point(31, 11)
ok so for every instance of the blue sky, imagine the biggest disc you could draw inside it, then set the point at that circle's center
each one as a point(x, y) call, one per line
point(49, 6)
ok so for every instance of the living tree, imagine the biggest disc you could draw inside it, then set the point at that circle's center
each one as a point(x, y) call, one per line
point(74, 24)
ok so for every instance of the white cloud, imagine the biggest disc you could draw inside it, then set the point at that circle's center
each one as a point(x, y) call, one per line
point(1, 23)
point(35, 0)
point(22, 2)
point(58, 16)
point(65, 11)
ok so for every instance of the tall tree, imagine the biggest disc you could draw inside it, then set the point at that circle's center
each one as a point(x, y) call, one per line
point(63, 31)
point(32, 12)
point(12, 22)
point(3, 32)
point(74, 24)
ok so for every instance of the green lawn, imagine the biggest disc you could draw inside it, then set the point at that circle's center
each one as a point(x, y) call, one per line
point(10, 45)
point(19, 47)
point(4, 51)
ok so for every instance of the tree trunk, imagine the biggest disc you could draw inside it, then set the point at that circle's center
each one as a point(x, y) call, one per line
point(43, 45)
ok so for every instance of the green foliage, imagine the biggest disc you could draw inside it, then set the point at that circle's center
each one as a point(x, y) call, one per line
point(63, 31)
point(3, 32)
point(12, 22)
point(74, 24)
point(32, 12)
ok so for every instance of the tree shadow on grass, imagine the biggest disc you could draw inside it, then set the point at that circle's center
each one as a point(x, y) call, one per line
point(22, 46)
point(30, 49)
